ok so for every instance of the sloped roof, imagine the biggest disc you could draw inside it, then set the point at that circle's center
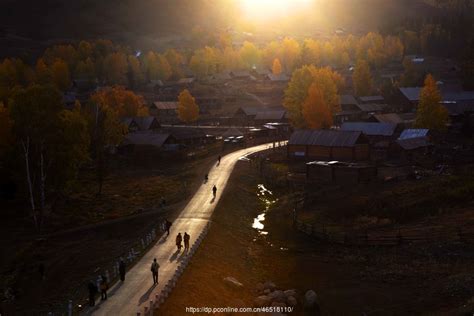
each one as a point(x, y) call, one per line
point(393, 118)
point(280, 77)
point(413, 143)
point(232, 132)
point(369, 128)
point(270, 115)
point(411, 93)
point(240, 73)
point(185, 133)
point(166, 105)
point(262, 71)
point(372, 98)
point(222, 76)
point(145, 122)
point(371, 107)
point(186, 80)
point(458, 108)
point(250, 110)
point(347, 99)
point(414, 133)
point(328, 138)
point(146, 138)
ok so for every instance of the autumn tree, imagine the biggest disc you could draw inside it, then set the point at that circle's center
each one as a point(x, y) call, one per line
point(316, 112)
point(250, 55)
point(175, 60)
point(60, 75)
point(135, 75)
point(156, 67)
point(431, 113)
point(362, 78)
point(290, 53)
point(188, 110)
point(42, 73)
point(123, 102)
point(276, 67)
point(6, 123)
point(53, 143)
point(115, 68)
point(297, 91)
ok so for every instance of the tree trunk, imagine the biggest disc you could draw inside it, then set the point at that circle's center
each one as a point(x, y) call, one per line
point(26, 152)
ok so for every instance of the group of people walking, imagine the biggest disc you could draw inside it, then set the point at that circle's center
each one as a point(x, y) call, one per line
point(102, 284)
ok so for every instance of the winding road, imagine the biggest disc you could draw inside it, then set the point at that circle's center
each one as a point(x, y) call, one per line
point(134, 294)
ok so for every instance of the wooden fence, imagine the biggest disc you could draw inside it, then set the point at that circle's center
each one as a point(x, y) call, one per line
point(381, 238)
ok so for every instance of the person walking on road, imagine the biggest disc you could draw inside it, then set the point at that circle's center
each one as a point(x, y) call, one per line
point(104, 286)
point(122, 270)
point(219, 160)
point(92, 292)
point(167, 226)
point(214, 190)
point(186, 241)
point(179, 239)
point(154, 270)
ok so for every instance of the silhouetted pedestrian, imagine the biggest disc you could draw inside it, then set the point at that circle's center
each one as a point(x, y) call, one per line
point(179, 239)
point(154, 271)
point(92, 292)
point(104, 286)
point(186, 241)
point(219, 160)
point(122, 270)
point(214, 190)
point(168, 226)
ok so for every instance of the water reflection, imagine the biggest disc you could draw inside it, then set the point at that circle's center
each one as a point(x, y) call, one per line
point(265, 196)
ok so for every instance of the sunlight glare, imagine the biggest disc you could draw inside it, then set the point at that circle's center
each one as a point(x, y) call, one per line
point(263, 9)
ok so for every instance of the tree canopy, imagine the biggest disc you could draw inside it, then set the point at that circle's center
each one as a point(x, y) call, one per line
point(431, 113)
point(188, 110)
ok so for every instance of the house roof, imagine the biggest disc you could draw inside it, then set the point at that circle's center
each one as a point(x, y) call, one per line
point(280, 77)
point(168, 105)
point(186, 80)
point(146, 138)
point(232, 132)
point(222, 76)
point(143, 122)
point(270, 115)
point(372, 99)
point(347, 99)
point(393, 118)
point(459, 96)
point(328, 138)
point(369, 128)
point(185, 133)
point(414, 133)
point(413, 143)
point(240, 73)
point(371, 107)
point(411, 93)
point(262, 71)
point(250, 110)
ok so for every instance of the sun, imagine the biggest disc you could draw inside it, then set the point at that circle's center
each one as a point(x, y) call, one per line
point(264, 9)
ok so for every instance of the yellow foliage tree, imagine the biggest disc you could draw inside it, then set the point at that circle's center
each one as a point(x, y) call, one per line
point(297, 92)
point(316, 112)
point(430, 113)
point(122, 102)
point(250, 54)
point(276, 67)
point(60, 75)
point(290, 53)
point(362, 78)
point(115, 68)
point(188, 110)
point(43, 73)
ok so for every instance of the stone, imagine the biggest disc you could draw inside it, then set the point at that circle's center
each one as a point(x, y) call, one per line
point(278, 296)
point(269, 285)
point(291, 301)
point(311, 306)
point(262, 300)
point(290, 293)
point(278, 304)
point(233, 282)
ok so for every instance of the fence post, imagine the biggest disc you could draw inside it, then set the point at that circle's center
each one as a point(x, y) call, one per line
point(69, 308)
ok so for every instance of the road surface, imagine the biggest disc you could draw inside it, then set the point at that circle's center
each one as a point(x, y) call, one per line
point(138, 289)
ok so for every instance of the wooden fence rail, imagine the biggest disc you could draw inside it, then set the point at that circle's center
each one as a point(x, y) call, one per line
point(321, 232)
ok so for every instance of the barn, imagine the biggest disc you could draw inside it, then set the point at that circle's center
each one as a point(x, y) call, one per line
point(328, 145)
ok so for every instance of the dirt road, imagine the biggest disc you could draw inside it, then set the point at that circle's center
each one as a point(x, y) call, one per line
point(134, 294)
